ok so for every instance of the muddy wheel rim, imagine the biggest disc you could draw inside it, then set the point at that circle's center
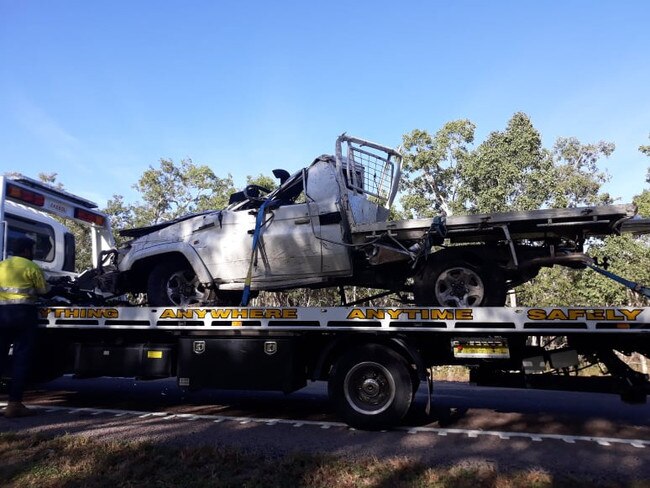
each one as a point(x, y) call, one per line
point(459, 287)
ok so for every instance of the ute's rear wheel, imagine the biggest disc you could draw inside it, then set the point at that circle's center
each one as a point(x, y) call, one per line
point(371, 387)
point(459, 283)
point(175, 284)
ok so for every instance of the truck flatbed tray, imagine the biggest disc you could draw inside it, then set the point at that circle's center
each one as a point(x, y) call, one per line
point(637, 226)
point(534, 224)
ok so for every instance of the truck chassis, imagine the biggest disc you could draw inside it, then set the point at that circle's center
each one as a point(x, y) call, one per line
point(374, 359)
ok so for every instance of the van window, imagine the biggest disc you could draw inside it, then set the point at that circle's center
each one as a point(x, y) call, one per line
point(39, 232)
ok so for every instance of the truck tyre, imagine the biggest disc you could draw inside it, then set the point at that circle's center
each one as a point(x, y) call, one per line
point(371, 387)
point(457, 282)
point(174, 284)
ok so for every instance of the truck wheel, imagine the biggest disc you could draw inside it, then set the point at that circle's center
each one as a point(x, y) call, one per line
point(459, 283)
point(175, 284)
point(371, 387)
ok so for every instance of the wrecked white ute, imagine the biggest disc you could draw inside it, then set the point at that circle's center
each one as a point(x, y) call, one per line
point(302, 234)
point(327, 225)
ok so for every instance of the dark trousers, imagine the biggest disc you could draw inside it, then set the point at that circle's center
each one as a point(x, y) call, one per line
point(18, 324)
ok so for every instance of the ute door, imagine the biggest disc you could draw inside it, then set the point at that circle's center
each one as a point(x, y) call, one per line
point(289, 247)
point(303, 235)
point(223, 241)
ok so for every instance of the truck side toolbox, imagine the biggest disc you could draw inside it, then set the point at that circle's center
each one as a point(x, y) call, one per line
point(240, 363)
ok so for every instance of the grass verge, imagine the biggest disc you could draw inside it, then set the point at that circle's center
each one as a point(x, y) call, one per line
point(74, 461)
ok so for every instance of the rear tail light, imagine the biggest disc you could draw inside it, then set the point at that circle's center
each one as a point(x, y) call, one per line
point(27, 196)
point(91, 217)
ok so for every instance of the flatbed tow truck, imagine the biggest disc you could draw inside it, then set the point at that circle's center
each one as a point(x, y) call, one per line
point(373, 358)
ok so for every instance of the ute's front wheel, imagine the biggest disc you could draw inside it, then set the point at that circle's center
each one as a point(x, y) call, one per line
point(371, 387)
point(175, 284)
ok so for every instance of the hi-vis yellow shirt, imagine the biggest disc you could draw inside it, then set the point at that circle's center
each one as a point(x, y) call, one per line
point(21, 281)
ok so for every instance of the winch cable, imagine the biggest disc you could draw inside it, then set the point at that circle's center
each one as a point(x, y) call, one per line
point(259, 224)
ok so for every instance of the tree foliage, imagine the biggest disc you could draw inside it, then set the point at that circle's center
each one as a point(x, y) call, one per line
point(510, 170)
point(433, 168)
point(646, 150)
point(167, 192)
point(172, 190)
point(576, 179)
point(643, 203)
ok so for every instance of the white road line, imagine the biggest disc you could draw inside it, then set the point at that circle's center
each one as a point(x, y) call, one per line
point(441, 432)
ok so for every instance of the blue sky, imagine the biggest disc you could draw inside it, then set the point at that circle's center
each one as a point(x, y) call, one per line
point(97, 91)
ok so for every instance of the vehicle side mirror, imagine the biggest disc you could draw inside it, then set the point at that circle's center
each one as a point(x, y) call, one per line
point(281, 174)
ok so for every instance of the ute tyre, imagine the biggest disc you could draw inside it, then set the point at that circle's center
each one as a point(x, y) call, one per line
point(174, 284)
point(459, 283)
point(371, 387)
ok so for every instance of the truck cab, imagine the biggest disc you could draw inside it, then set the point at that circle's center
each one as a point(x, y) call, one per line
point(54, 251)
point(30, 208)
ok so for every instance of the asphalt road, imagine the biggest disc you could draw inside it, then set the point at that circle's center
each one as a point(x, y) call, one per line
point(583, 434)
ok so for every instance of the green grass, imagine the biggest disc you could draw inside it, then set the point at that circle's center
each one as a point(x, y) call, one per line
point(74, 461)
